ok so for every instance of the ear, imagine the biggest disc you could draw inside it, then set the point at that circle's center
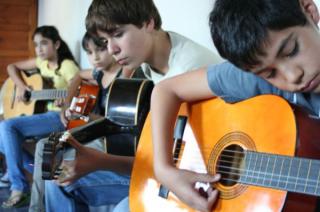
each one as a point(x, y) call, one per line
point(310, 8)
point(150, 25)
point(57, 45)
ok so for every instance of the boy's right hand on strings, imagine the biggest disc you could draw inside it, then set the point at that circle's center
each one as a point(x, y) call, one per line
point(182, 184)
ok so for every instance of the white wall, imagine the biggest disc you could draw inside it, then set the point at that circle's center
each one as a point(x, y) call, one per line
point(187, 17)
point(70, 22)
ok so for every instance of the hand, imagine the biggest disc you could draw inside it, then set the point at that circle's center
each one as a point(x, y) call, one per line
point(82, 165)
point(59, 102)
point(21, 93)
point(183, 186)
point(65, 115)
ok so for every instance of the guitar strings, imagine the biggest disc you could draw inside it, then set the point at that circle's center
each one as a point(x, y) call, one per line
point(236, 172)
point(239, 172)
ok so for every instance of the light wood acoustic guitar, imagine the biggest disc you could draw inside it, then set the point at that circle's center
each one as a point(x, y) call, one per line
point(82, 104)
point(35, 100)
point(267, 153)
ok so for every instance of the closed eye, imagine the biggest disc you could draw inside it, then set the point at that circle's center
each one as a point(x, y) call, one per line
point(294, 51)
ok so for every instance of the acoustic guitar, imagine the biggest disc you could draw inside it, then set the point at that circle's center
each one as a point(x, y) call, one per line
point(82, 104)
point(267, 153)
point(127, 106)
point(35, 100)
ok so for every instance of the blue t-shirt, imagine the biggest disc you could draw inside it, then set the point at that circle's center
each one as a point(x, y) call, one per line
point(233, 84)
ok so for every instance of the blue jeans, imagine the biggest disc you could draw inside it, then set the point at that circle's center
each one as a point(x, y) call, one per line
point(13, 132)
point(95, 189)
point(122, 206)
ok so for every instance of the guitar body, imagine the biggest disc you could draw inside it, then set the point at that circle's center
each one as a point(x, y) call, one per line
point(88, 93)
point(128, 103)
point(13, 108)
point(261, 124)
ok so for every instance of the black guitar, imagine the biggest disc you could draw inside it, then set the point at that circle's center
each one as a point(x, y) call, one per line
point(127, 106)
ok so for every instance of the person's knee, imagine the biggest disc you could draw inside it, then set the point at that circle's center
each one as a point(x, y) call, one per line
point(6, 125)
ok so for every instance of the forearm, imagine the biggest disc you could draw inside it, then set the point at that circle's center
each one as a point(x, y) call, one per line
point(15, 75)
point(72, 89)
point(115, 163)
point(163, 120)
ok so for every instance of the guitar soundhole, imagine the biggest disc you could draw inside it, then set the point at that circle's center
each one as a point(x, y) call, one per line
point(229, 164)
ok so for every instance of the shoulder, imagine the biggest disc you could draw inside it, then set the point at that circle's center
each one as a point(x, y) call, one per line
point(69, 63)
point(189, 53)
point(234, 84)
point(68, 66)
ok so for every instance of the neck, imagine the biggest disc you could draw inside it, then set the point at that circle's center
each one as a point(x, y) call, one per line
point(160, 52)
point(53, 62)
point(112, 68)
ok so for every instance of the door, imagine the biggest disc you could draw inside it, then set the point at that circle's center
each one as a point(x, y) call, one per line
point(18, 19)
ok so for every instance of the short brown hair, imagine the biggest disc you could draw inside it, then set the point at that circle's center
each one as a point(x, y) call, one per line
point(104, 15)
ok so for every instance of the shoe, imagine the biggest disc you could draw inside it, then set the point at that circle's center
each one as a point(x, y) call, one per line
point(17, 200)
point(5, 178)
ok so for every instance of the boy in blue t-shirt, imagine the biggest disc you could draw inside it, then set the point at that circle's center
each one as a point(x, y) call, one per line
point(277, 41)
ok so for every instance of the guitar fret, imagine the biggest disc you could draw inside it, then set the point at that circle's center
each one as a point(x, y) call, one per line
point(281, 172)
point(317, 185)
point(48, 94)
point(254, 166)
point(285, 169)
point(259, 170)
point(268, 159)
point(244, 174)
point(308, 173)
point(272, 173)
point(287, 181)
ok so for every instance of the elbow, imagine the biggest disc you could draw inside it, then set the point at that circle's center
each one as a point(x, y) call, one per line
point(10, 69)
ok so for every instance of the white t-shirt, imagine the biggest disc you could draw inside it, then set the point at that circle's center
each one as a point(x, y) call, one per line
point(185, 55)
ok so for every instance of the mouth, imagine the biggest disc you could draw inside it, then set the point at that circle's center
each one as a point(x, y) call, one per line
point(98, 65)
point(312, 84)
point(122, 61)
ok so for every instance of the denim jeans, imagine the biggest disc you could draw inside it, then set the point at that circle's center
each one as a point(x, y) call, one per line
point(95, 189)
point(13, 132)
point(122, 206)
point(38, 187)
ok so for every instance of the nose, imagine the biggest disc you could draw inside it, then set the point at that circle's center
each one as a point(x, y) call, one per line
point(292, 74)
point(96, 56)
point(113, 48)
point(38, 50)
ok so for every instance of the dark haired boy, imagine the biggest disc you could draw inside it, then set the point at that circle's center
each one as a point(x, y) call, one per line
point(277, 42)
point(132, 31)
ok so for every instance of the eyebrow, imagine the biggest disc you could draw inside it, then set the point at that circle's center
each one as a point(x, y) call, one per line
point(284, 44)
point(279, 52)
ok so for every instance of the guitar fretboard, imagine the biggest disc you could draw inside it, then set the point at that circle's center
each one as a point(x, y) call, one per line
point(48, 94)
point(281, 172)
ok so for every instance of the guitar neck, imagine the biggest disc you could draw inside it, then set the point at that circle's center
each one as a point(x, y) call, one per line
point(48, 94)
point(100, 128)
point(281, 172)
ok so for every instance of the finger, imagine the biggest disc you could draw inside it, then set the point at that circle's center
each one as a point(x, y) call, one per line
point(66, 180)
point(200, 201)
point(207, 178)
point(74, 143)
point(212, 198)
